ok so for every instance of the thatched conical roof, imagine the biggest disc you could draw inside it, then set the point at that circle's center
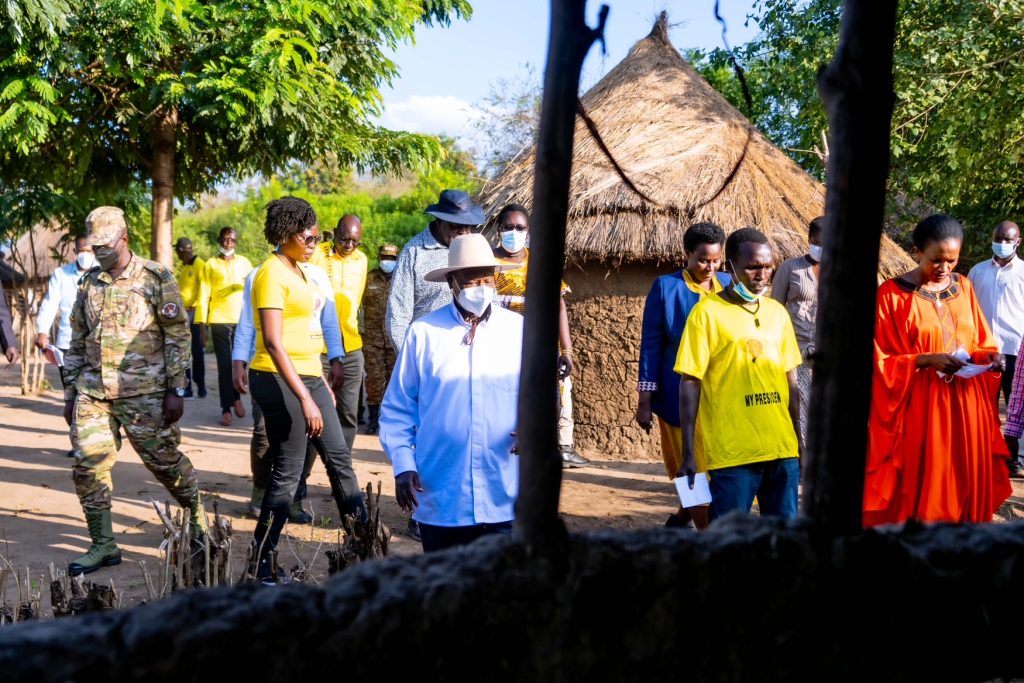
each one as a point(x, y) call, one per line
point(678, 140)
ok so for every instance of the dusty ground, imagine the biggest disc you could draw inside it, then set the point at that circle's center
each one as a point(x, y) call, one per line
point(41, 521)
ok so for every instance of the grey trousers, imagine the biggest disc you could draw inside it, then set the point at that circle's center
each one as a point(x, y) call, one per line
point(346, 399)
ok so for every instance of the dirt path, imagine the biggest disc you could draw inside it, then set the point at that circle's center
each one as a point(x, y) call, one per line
point(41, 521)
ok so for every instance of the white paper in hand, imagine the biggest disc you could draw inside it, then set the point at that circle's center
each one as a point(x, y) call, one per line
point(53, 354)
point(972, 370)
point(700, 494)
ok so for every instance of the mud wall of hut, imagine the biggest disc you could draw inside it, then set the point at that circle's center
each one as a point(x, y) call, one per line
point(606, 309)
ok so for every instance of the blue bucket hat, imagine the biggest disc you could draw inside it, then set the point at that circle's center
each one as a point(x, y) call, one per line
point(455, 206)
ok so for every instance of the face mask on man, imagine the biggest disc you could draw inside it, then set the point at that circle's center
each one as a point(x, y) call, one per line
point(1003, 250)
point(227, 252)
point(106, 257)
point(85, 260)
point(814, 251)
point(388, 266)
point(741, 289)
point(513, 241)
point(476, 299)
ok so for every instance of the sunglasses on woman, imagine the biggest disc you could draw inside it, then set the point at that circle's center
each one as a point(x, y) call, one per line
point(309, 240)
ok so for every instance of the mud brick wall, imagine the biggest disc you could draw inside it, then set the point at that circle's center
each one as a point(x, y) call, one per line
point(750, 600)
point(606, 309)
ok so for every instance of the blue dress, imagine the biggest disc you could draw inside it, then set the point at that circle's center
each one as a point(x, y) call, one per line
point(668, 306)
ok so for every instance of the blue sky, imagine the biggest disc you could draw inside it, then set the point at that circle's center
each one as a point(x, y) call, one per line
point(449, 71)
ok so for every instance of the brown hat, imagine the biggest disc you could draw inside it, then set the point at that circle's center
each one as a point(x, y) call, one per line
point(102, 225)
point(388, 250)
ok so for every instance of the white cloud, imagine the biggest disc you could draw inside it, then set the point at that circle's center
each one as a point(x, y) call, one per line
point(434, 114)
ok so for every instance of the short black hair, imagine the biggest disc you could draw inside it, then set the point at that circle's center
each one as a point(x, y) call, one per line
point(937, 228)
point(80, 238)
point(225, 230)
point(740, 237)
point(287, 216)
point(816, 226)
point(512, 208)
point(702, 233)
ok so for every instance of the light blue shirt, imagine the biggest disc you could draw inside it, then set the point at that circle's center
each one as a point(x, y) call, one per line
point(60, 298)
point(449, 412)
point(245, 333)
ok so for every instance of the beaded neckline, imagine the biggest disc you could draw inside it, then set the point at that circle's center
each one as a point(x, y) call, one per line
point(948, 293)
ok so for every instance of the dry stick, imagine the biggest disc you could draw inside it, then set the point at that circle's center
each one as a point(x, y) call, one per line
point(150, 589)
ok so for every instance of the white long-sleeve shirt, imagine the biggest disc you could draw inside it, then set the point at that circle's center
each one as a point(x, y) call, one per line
point(245, 333)
point(59, 299)
point(1000, 292)
point(449, 412)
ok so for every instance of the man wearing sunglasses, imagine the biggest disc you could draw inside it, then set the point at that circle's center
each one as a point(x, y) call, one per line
point(346, 267)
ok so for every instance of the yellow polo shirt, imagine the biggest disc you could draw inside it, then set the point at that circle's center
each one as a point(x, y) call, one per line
point(348, 279)
point(189, 276)
point(300, 302)
point(223, 281)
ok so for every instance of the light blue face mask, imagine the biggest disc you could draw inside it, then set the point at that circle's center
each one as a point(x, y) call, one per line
point(513, 240)
point(388, 266)
point(1003, 250)
point(741, 289)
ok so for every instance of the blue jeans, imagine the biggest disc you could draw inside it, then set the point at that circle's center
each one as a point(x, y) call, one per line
point(774, 483)
point(436, 538)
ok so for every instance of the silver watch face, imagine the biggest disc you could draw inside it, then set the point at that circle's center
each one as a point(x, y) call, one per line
point(180, 393)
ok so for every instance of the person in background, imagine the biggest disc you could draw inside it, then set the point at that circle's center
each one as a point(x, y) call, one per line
point(795, 286)
point(999, 285)
point(380, 357)
point(61, 292)
point(327, 237)
point(346, 267)
point(514, 231)
point(935, 451)
point(286, 378)
point(450, 411)
point(668, 305)
point(223, 280)
point(190, 279)
point(8, 340)
point(738, 359)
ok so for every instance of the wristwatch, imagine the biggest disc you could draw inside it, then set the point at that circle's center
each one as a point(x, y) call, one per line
point(337, 359)
point(179, 392)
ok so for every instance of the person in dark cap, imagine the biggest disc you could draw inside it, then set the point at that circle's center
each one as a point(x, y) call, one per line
point(380, 357)
point(190, 278)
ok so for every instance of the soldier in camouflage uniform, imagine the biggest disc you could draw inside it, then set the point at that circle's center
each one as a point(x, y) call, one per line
point(377, 351)
point(125, 369)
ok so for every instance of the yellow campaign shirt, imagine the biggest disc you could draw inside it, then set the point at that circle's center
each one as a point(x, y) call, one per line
point(189, 276)
point(223, 281)
point(300, 302)
point(348, 278)
point(510, 285)
point(743, 415)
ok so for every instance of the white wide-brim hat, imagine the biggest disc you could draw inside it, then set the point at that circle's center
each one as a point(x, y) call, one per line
point(468, 251)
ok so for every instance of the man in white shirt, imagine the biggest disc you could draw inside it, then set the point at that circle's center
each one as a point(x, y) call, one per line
point(450, 410)
point(60, 299)
point(999, 286)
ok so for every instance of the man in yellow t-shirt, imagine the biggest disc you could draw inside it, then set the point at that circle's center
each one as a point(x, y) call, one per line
point(190, 282)
point(346, 267)
point(738, 360)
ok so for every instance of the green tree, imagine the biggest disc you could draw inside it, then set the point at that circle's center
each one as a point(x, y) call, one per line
point(183, 95)
point(959, 71)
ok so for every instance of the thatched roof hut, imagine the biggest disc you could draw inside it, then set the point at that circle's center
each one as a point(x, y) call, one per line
point(42, 250)
point(678, 140)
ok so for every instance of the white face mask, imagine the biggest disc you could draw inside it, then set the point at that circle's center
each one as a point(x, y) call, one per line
point(85, 260)
point(476, 299)
point(513, 240)
point(815, 252)
point(227, 252)
point(388, 266)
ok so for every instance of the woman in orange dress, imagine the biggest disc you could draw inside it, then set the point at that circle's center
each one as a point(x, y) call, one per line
point(935, 451)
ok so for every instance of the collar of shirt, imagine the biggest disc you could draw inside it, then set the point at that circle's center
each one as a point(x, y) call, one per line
point(716, 286)
point(428, 241)
point(1009, 266)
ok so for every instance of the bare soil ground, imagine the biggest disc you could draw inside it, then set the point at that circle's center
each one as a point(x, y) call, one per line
point(41, 521)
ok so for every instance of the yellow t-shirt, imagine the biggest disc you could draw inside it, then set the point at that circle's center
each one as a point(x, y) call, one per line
point(348, 278)
point(223, 281)
point(510, 285)
point(300, 302)
point(743, 415)
point(190, 283)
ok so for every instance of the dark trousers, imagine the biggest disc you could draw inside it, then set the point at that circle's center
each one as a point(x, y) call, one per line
point(346, 399)
point(436, 538)
point(1006, 381)
point(198, 370)
point(223, 337)
point(286, 433)
point(261, 462)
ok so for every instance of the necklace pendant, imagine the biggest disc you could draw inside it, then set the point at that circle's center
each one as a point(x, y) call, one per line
point(938, 303)
point(757, 323)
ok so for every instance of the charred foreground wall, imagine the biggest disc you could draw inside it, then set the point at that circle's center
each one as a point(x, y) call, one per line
point(750, 600)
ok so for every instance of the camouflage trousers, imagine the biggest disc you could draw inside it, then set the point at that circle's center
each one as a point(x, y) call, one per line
point(379, 361)
point(96, 438)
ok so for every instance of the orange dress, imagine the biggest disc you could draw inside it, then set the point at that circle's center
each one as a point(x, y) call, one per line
point(935, 450)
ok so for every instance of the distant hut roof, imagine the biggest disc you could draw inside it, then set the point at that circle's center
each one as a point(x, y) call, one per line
point(678, 140)
point(42, 250)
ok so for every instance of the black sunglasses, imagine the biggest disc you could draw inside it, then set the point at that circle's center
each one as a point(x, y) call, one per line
point(309, 240)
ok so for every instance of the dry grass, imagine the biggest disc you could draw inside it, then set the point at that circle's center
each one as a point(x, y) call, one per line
point(678, 140)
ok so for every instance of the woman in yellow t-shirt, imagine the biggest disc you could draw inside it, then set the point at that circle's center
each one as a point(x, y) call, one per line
point(285, 376)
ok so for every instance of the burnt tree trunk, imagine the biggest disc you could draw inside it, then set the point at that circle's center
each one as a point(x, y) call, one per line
point(540, 466)
point(857, 91)
point(163, 186)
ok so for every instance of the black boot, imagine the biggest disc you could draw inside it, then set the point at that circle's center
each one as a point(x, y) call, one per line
point(373, 424)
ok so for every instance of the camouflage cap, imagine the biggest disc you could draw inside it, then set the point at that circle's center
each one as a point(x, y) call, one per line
point(102, 225)
point(388, 250)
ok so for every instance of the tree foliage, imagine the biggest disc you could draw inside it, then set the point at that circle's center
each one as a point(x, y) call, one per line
point(510, 117)
point(959, 75)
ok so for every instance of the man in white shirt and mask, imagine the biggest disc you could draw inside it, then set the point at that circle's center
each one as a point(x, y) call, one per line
point(450, 410)
point(59, 300)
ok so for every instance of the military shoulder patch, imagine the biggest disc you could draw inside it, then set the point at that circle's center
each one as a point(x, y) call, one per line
point(170, 310)
point(163, 273)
